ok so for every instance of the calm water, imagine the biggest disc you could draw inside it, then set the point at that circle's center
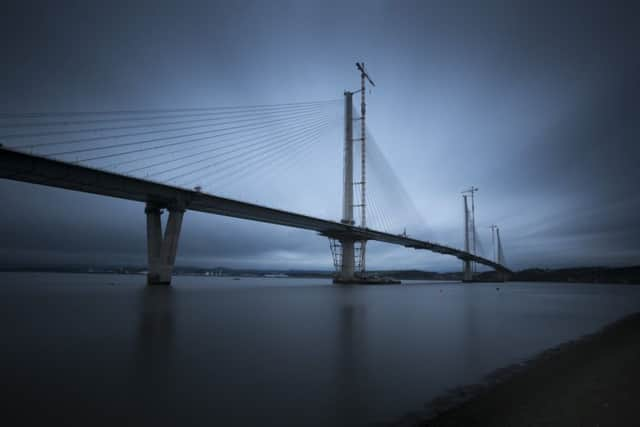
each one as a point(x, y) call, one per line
point(91, 349)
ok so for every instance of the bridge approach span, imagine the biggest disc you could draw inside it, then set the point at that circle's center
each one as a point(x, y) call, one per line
point(25, 167)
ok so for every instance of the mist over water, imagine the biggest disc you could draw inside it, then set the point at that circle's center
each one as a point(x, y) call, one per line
point(107, 350)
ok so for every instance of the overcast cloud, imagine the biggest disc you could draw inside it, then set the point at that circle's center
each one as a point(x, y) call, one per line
point(535, 103)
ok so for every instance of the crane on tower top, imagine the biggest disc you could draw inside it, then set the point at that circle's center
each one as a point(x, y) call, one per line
point(360, 66)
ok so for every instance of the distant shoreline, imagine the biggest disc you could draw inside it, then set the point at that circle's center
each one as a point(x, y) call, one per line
point(605, 275)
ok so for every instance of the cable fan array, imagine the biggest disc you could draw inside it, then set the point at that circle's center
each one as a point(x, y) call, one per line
point(389, 206)
point(203, 147)
point(216, 150)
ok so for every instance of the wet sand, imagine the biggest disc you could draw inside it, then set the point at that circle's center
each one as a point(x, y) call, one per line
point(594, 381)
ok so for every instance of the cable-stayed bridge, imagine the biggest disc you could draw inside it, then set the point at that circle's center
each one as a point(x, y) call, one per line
point(175, 160)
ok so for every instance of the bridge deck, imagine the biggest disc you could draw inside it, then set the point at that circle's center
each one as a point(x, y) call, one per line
point(19, 166)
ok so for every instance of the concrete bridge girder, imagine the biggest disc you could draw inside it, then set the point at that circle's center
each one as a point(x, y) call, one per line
point(24, 167)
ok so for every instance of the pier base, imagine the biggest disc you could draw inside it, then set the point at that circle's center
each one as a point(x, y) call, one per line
point(467, 275)
point(367, 281)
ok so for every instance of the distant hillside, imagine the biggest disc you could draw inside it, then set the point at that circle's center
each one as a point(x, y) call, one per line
point(624, 275)
point(585, 274)
point(417, 275)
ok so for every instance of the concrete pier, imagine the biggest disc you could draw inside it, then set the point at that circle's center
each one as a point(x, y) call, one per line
point(467, 276)
point(161, 251)
point(348, 260)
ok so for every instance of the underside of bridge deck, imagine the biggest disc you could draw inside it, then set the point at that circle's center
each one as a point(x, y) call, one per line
point(19, 166)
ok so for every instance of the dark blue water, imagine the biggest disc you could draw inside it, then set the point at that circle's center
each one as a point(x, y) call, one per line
point(105, 349)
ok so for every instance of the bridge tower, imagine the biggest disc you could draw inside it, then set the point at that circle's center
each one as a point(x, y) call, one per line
point(500, 259)
point(344, 253)
point(493, 228)
point(473, 233)
point(364, 77)
point(346, 262)
point(467, 275)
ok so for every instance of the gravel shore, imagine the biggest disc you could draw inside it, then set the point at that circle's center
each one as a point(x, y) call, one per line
point(594, 381)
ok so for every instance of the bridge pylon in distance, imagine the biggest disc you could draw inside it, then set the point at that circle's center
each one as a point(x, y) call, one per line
point(467, 274)
point(500, 256)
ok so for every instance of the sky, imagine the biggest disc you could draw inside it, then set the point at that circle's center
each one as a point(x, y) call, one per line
point(535, 103)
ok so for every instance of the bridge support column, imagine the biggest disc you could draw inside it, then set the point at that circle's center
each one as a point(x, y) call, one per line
point(467, 275)
point(162, 251)
point(348, 260)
